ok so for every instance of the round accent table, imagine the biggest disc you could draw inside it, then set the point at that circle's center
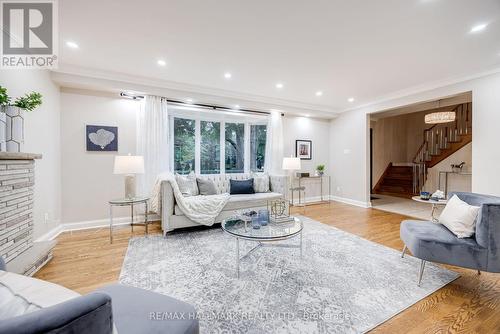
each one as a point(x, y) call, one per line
point(273, 231)
point(434, 204)
point(128, 202)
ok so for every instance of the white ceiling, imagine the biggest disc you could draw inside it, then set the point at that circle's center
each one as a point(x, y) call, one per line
point(351, 48)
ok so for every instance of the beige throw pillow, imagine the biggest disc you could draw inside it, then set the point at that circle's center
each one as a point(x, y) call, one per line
point(459, 217)
point(187, 184)
point(260, 182)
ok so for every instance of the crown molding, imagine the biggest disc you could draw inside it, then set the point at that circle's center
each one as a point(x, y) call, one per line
point(424, 88)
point(79, 77)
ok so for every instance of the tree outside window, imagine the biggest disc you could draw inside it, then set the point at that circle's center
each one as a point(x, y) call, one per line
point(258, 135)
point(184, 145)
point(210, 147)
point(235, 147)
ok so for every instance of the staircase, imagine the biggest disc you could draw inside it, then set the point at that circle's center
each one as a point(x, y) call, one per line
point(440, 141)
point(396, 181)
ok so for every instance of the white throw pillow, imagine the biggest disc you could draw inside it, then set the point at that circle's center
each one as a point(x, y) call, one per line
point(187, 184)
point(260, 182)
point(459, 217)
point(21, 294)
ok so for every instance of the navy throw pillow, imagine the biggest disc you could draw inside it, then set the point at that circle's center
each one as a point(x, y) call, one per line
point(239, 187)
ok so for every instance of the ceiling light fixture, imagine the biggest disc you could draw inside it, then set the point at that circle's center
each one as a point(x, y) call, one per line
point(319, 93)
point(351, 99)
point(237, 106)
point(440, 117)
point(478, 28)
point(227, 75)
point(72, 45)
point(189, 101)
point(279, 85)
point(161, 62)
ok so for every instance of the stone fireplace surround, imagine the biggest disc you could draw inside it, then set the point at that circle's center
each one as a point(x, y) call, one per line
point(17, 182)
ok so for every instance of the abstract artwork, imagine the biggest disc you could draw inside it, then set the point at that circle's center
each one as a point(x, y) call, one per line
point(102, 138)
point(303, 149)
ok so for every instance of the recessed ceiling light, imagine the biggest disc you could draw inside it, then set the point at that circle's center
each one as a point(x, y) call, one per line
point(351, 99)
point(319, 93)
point(478, 28)
point(227, 75)
point(189, 100)
point(307, 115)
point(237, 106)
point(161, 62)
point(72, 45)
point(279, 85)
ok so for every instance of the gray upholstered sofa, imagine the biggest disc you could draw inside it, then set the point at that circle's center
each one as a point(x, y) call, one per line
point(130, 310)
point(172, 216)
point(429, 241)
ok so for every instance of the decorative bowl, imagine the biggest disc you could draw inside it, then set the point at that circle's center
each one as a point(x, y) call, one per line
point(425, 195)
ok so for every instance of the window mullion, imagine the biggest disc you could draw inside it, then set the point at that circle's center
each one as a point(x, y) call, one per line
point(197, 147)
point(246, 155)
point(222, 147)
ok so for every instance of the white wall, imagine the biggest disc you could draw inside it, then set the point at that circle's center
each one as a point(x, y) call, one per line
point(42, 135)
point(88, 182)
point(455, 182)
point(351, 130)
point(316, 130)
point(348, 157)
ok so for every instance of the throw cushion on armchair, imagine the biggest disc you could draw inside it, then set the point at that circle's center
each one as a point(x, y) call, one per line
point(240, 187)
point(459, 217)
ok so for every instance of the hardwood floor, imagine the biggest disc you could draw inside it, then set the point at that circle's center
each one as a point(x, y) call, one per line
point(85, 260)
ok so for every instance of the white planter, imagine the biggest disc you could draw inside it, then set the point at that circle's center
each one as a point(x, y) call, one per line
point(14, 129)
point(3, 129)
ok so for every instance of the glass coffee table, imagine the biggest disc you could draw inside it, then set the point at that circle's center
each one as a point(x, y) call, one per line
point(264, 236)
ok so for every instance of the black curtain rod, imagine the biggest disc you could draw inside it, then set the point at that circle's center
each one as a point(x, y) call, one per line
point(201, 105)
point(214, 107)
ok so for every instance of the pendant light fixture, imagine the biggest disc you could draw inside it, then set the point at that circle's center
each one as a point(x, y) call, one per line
point(440, 116)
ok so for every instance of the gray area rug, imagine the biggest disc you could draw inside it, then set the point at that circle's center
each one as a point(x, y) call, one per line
point(342, 283)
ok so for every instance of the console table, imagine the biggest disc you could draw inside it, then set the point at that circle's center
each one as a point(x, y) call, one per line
point(320, 178)
point(446, 173)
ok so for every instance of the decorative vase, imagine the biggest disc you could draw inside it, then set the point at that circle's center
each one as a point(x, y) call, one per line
point(3, 129)
point(320, 173)
point(14, 129)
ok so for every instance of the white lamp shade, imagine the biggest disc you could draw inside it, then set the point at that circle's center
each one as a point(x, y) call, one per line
point(129, 164)
point(291, 163)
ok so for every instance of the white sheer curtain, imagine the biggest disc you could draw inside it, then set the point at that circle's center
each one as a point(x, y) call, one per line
point(274, 144)
point(152, 141)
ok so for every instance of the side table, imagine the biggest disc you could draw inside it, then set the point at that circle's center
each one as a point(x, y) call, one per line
point(128, 202)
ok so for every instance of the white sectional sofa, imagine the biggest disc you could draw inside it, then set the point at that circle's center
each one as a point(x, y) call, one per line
point(172, 216)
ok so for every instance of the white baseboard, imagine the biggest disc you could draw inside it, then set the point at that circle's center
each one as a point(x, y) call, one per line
point(84, 225)
point(352, 202)
point(349, 201)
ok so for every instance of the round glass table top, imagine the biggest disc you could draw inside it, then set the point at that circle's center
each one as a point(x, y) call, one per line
point(271, 231)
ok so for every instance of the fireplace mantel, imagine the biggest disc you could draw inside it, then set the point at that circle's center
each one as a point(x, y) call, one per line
point(19, 156)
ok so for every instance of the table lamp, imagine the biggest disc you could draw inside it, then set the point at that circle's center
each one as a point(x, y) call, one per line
point(129, 165)
point(291, 164)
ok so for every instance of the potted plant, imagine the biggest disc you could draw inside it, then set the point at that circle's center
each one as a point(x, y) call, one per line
point(12, 118)
point(320, 169)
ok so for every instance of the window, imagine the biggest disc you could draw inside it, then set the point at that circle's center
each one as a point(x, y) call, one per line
point(210, 147)
point(184, 145)
point(235, 147)
point(258, 137)
point(214, 143)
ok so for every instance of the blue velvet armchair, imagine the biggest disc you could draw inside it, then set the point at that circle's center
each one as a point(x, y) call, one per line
point(128, 308)
point(433, 242)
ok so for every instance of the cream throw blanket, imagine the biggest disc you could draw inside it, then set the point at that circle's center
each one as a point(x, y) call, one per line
point(200, 209)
